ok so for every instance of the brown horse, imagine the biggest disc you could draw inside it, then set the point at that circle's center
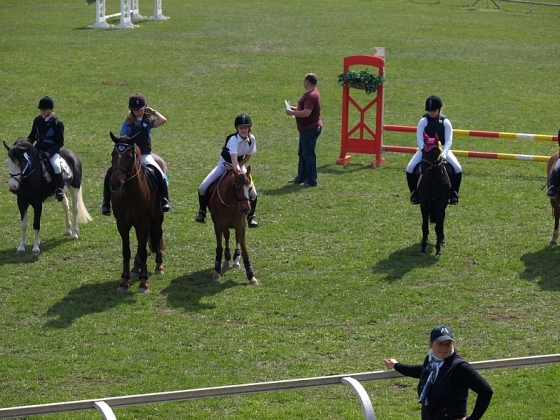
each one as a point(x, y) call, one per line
point(136, 204)
point(229, 204)
point(554, 202)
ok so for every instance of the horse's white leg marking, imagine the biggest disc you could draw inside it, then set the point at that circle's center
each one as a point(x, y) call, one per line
point(554, 239)
point(36, 243)
point(74, 214)
point(21, 247)
point(66, 208)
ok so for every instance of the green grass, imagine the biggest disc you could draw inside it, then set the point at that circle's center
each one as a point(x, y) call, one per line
point(342, 284)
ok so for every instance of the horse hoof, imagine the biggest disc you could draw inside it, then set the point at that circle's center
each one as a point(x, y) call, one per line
point(225, 265)
point(134, 275)
point(216, 276)
point(552, 243)
point(422, 253)
point(122, 289)
point(143, 290)
point(159, 271)
point(36, 252)
point(74, 237)
point(254, 281)
point(439, 254)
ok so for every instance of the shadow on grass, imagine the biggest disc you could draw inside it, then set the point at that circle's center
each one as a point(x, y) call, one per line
point(404, 260)
point(87, 299)
point(188, 291)
point(542, 267)
point(10, 256)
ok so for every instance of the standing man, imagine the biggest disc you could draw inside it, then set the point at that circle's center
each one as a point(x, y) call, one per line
point(309, 125)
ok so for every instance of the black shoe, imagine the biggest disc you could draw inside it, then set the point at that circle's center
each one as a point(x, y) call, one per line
point(414, 198)
point(252, 222)
point(200, 217)
point(106, 209)
point(453, 198)
point(552, 191)
point(59, 194)
point(165, 206)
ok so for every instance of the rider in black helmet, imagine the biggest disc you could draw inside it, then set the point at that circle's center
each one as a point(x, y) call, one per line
point(238, 149)
point(48, 133)
point(434, 122)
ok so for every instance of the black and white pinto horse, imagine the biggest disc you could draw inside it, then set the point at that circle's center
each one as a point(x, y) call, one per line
point(33, 185)
point(434, 185)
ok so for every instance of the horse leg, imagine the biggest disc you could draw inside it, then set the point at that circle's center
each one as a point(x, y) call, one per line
point(21, 247)
point(37, 211)
point(227, 251)
point(425, 229)
point(240, 238)
point(219, 252)
point(125, 276)
point(142, 236)
point(236, 256)
point(556, 212)
point(439, 231)
point(156, 244)
point(68, 231)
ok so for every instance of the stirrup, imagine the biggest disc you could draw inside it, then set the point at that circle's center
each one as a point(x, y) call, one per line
point(414, 198)
point(59, 194)
point(200, 217)
point(252, 222)
point(552, 191)
point(165, 206)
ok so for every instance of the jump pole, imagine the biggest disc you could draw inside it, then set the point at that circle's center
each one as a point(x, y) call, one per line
point(471, 154)
point(476, 133)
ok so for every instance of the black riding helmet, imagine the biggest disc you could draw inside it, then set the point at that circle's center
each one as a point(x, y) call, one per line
point(433, 103)
point(46, 103)
point(243, 119)
point(136, 101)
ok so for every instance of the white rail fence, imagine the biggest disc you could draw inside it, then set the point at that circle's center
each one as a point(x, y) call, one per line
point(499, 4)
point(129, 11)
point(106, 405)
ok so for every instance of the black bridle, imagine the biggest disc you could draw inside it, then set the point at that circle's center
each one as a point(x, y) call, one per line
point(22, 175)
point(121, 148)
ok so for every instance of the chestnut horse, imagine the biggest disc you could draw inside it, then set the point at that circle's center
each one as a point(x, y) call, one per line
point(554, 202)
point(136, 204)
point(433, 191)
point(229, 204)
point(29, 181)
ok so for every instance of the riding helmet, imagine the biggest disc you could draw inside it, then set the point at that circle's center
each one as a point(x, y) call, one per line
point(243, 119)
point(46, 103)
point(433, 103)
point(136, 101)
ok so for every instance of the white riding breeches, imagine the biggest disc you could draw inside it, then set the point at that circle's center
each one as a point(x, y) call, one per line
point(215, 174)
point(451, 159)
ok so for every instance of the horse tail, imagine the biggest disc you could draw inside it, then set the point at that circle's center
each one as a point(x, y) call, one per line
point(83, 214)
point(156, 242)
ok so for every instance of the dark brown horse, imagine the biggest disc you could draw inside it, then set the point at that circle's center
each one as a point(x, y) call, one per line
point(433, 191)
point(229, 204)
point(554, 202)
point(28, 180)
point(136, 204)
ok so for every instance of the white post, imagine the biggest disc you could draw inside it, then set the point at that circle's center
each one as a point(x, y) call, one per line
point(158, 13)
point(100, 18)
point(126, 15)
point(135, 11)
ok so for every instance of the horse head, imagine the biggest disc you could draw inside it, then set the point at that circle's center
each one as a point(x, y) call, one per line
point(22, 160)
point(242, 185)
point(125, 160)
point(432, 150)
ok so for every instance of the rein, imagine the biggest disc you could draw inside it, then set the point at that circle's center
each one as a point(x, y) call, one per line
point(238, 201)
point(22, 175)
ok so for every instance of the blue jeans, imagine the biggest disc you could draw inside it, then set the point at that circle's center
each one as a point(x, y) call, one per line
point(307, 165)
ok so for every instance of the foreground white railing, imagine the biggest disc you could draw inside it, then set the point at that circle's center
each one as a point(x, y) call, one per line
point(105, 405)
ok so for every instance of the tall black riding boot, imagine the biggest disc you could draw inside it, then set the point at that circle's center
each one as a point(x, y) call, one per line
point(411, 180)
point(251, 221)
point(455, 184)
point(106, 206)
point(164, 194)
point(59, 191)
point(553, 182)
point(202, 209)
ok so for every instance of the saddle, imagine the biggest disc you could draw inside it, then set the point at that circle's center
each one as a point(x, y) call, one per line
point(48, 171)
point(153, 176)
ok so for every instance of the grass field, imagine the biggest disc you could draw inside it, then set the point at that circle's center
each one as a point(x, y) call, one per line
point(342, 284)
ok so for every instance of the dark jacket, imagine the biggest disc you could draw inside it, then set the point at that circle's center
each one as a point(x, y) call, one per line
point(447, 398)
point(435, 126)
point(48, 135)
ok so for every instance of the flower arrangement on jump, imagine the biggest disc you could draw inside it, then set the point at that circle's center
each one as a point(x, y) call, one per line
point(361, 80)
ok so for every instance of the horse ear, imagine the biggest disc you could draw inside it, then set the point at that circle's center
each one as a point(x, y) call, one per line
point(113, 137)
point(248, 170)
point(6, 146)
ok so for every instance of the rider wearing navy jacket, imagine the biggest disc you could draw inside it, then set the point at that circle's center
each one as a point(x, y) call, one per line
point(434, 122)
point(48, 133)
point(554, 179)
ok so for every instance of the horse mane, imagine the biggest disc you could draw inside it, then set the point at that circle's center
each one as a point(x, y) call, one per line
point(21, 147)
